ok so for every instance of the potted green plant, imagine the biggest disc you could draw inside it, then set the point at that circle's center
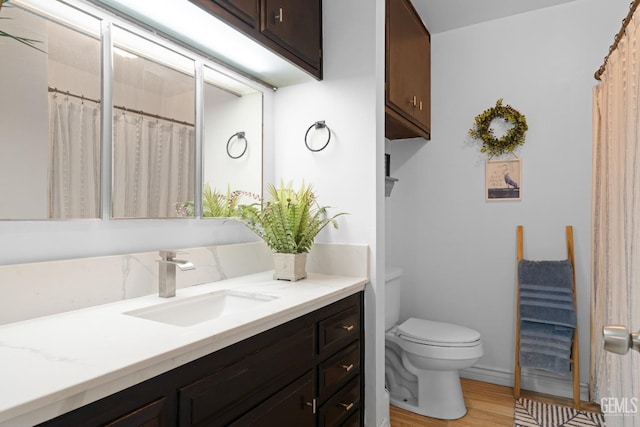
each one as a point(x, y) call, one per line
point(214, 203)
point(288, 222)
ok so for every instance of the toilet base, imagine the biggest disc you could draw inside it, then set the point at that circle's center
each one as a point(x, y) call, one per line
point(439, 395)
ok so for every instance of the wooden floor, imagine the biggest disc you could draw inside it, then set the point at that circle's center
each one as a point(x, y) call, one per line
point(488, 405)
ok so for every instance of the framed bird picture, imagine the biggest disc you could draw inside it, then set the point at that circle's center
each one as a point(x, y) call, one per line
point(503, 179)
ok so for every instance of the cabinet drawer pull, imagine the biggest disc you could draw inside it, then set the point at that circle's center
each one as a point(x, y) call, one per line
point(348, 328)
point(346, 367)
point(313, 405)
point(420, 105)
point(278, 17)
point(346, 406)
point(414, 101)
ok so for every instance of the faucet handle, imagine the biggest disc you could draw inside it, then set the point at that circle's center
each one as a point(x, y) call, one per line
point(169, 255)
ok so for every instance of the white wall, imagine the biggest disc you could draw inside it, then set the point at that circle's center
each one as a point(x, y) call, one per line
point(224, 115)
point(348, 174)
point(459, 251)
point(23, 89)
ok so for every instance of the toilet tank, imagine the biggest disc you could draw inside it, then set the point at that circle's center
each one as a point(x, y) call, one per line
point(392, 297)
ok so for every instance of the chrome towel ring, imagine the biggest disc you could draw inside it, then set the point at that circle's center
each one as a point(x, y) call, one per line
point(318, 125)
point(238, 135)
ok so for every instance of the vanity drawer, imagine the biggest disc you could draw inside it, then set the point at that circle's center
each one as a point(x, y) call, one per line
point(335, 371)
point(217, 398)
point(355, 420)
point(339, 329)
point(341, 406)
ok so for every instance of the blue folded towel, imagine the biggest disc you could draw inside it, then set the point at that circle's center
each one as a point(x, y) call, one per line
point(546, 331)
point(541, 301)
point(546, 292)
point(547, 273)
point(558, 365)
point(545, 349)
point(547, 315)
point(563, 346)
point(528, 287)
point(552, 316)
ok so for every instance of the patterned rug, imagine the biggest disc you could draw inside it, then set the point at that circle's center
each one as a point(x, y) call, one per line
point(529, 413)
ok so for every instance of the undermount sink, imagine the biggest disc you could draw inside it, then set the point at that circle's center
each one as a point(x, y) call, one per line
point(197, 309)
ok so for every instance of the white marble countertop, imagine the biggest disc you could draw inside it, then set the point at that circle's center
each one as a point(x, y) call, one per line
point(54, 364)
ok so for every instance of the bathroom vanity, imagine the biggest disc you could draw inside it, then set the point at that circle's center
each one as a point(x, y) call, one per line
point(299, 352)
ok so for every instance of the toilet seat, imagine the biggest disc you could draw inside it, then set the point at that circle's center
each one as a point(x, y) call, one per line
point(427, 332)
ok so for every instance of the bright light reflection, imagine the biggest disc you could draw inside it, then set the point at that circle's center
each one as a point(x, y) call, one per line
point(194, 24)
point(68, 15)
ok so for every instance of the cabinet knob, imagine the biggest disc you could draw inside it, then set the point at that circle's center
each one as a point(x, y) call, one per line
point(346, 367)
point(313, 404)
point(346, 406)
point(348, 328)
point(278, 17)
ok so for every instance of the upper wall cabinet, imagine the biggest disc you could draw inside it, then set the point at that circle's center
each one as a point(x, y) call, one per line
point(246, 11)
point(408, 73)
point(291, 28)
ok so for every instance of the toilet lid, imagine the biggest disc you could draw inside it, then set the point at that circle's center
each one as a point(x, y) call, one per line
point(438, 333)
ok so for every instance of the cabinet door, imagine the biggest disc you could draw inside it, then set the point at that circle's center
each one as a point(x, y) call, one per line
point(408, 74)
point(295, 25)
point(422, 111)
point(236, 388)
point(245, 10)
point(151, 415)
point(401, 53)
point(292, 406)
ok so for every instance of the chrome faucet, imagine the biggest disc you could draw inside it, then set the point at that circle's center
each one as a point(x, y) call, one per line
point(167, 266)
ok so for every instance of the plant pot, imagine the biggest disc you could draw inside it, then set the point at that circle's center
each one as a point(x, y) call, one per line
point(291, 267)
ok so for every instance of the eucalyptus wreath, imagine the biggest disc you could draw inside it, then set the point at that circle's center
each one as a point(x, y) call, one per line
point(510, 140)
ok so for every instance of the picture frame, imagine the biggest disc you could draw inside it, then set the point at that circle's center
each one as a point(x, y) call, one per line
point(503, 179)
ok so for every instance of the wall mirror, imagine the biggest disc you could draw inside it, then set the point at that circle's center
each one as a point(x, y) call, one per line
point(232, 144)
point(50, 108)
point(153, 128)
point(50, 136)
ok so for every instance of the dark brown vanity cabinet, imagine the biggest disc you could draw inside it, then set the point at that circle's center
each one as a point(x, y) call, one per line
point(408, 73)
point(290, 28)
point(306, 372)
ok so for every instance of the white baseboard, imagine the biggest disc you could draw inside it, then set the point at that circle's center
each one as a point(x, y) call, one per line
point(537, 381)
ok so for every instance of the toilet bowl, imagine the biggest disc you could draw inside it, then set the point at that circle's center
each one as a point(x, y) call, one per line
point(422, 359)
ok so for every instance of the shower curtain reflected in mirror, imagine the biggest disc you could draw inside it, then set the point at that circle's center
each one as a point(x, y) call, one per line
point(153, 165)
point(74, 171)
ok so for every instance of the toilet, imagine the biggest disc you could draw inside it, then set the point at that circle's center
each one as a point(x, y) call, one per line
point(422, 359)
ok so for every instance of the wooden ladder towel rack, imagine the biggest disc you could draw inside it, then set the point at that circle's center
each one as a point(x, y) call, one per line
point(575, 356)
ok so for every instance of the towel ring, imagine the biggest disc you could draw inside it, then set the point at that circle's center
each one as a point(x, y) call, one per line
point(239, 135)
point(318, 125)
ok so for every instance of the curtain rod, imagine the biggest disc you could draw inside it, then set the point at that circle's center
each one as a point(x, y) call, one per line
point(625, 22)
point(143, 113)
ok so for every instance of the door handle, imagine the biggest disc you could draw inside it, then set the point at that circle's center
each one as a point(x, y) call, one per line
point(617, 339)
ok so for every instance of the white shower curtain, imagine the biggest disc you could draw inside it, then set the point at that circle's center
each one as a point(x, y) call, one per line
point(615, 271)
point(153, 169)
point(74, 170)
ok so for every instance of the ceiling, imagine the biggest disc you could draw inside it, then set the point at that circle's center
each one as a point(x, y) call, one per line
point(445, 15)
